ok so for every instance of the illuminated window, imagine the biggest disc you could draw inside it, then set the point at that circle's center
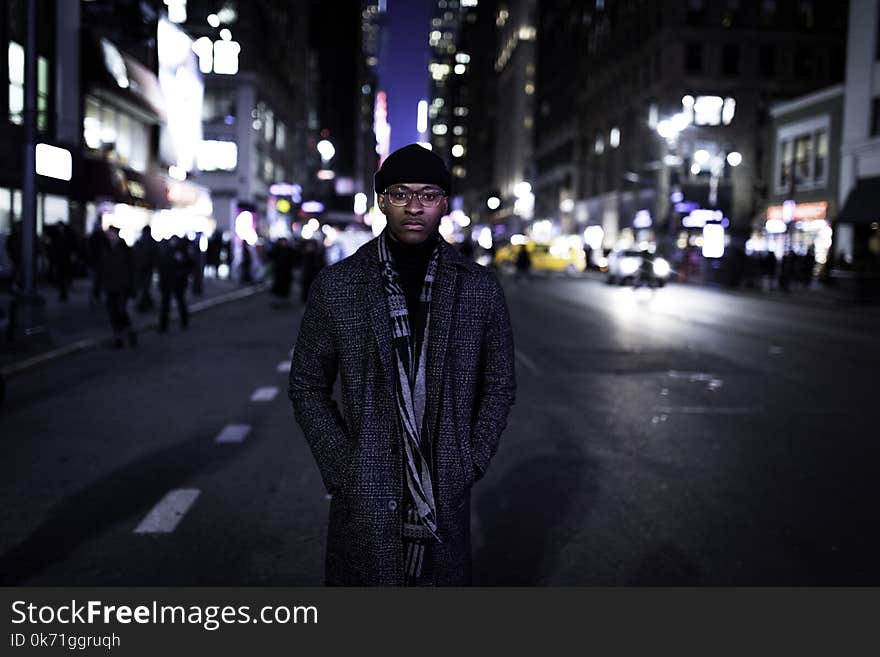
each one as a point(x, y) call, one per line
point(226, 57)
point(42, 93)
point(92, 123)
point(802, 155)
point(599, 146)
point(821, 154)
point(215, 155)
point(15, 55)
point(268, 170)
point(786, 165)
point(439, 129)
point(269, 126)
point(708, 110)
point(280, 136)
point(527, 33)
point(614, 138)
point(803, 147)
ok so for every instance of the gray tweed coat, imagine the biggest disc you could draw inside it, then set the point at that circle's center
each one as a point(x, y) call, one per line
point(470, 388)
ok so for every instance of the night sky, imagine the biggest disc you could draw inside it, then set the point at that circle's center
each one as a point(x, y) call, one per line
point(404, 66)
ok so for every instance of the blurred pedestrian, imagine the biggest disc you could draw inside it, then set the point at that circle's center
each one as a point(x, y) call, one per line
point(421, 340)
point(146, 259)
point(13, 250)
point(174, 269)
point(312, 263)
point(523, 264)
point(96, 245)
point(785, 272)
point(212, 255)
point(246, 265)
point(117, 276)
point(59, 250)
point(197, 257)
point(281, 256)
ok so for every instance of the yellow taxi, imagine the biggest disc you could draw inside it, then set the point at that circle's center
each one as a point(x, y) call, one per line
point(563, 254)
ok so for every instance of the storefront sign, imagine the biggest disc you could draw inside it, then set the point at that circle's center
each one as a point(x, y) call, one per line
point(182, 193)
point(802, 211)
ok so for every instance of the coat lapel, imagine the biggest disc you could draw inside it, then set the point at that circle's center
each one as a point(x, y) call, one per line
point(373, 301)
point(368, 275)
point(441, 319)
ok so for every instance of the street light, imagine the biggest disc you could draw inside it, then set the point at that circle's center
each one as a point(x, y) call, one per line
point(326, 149)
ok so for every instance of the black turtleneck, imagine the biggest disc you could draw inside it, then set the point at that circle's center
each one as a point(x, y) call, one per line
point(411, 263)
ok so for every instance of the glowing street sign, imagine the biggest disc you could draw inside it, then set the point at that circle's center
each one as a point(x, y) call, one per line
point(54, 162)
point(713, 241)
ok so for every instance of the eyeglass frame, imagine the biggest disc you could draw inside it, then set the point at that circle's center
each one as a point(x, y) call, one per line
point(416, 194)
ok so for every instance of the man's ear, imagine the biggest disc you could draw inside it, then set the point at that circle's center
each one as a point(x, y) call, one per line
point(380, 201)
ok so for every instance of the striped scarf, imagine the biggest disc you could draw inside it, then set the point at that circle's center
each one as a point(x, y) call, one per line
point(420, 524)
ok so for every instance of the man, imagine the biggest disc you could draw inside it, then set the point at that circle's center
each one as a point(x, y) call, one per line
point(117, 275)
point(422, 341)
point(146, 257)
point(174, 268)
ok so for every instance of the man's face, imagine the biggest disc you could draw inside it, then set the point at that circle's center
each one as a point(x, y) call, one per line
point(416, 220)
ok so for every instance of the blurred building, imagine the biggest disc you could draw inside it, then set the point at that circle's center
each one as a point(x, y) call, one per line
point(515, 68)
point(108, 132)
point(141, 122)
point(857, 230)
point(472, 113)
point(257, 153)
point(446, 17)
point(373, 16)
point(481, 114)
point(803, 176)
point(58, 114)
point(558, 143)
point(663, 109)
point(344, 38)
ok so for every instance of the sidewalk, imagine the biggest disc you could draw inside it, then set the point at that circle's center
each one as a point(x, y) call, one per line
point(76, 325)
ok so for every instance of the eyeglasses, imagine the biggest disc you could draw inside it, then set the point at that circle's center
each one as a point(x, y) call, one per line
point(400, 196)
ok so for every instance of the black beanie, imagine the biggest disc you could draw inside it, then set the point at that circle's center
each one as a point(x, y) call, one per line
point(413, 164)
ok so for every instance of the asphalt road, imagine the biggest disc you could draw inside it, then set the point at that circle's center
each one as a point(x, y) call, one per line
point(682, 437)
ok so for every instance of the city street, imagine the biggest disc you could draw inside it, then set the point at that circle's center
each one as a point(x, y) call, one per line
point(681, 436)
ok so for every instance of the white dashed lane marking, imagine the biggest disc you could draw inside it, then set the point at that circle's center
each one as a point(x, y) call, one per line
point(265, 394)
point(233, 433)
point(166, 515)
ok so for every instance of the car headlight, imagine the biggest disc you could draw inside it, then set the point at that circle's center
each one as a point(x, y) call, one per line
point(629, 266)
point(661, 268)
